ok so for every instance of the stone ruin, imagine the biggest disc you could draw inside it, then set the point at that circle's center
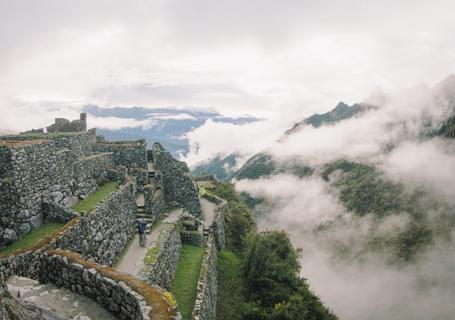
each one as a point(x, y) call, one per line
point(64, 125)
point(43, 174)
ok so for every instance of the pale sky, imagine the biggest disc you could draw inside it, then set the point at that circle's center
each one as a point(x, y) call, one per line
point(267, 58)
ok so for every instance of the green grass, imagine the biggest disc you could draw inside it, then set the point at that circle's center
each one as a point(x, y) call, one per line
point(230, 286)
point(32, 238)
point(184, 285)
point(87, 204)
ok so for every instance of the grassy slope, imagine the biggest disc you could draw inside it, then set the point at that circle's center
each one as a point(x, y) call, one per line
point(32, 238)
point(184, 284)
point(230, 286)
point(96, 197)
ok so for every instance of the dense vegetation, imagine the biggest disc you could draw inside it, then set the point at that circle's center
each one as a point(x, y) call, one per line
point(184, 284)
point(89, 203)
point(231, 288)
point(221, 168)
point(259, 275)
point(263, 165)
point(365, 190)
point(448, 128)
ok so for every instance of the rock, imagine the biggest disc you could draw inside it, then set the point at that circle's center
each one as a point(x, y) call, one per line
point(68, 202)
point(10, 236)
point(57, 196)
point(36, 221)
point(24, 228)
point(24, 214)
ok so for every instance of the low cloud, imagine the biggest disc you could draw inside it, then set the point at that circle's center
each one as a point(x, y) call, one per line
point(217, 138)
point(355, 280)
point(115, 123)
point(360, 287)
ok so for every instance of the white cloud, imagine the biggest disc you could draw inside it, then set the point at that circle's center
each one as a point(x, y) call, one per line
point(166, 116)
point(115, 123)
point(217, 138)
point(270, 59)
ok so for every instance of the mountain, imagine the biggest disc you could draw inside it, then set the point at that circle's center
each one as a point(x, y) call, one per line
point(263, 165)
point(221, 168)
point(167, 126)
point(340, 112)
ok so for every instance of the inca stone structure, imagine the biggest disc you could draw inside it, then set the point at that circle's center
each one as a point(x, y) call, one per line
point(42, 175)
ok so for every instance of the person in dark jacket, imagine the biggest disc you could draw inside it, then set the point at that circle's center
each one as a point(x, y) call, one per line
point(141, 226)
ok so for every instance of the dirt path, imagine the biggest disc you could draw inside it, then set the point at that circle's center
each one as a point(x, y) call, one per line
point(132, 262)
point(208, 212)
point(59, 300)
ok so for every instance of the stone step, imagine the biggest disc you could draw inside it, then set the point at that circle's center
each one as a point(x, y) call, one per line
point(148, 220)
point(143, 215)
point(140, 206)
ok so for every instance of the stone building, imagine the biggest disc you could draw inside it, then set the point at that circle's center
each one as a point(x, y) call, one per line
point(65, 125)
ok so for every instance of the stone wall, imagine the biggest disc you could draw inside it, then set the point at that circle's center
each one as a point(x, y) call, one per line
point(64, 125)
point(154, 203)
point(179, 189)
point(53, 212)
point(163, 257)
point(219, 222)
point(39, 170)
point(100, 235)
point(131, 154)
point(207, 287)
point(122, 295)
point(192, 230)
point(81, 143)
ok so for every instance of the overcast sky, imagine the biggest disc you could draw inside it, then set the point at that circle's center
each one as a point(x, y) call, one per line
point(284, 58)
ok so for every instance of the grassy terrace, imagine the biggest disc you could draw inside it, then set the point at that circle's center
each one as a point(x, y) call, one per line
point(231, 295)
point(32, 238)
point(184, 285)
point(87, 204)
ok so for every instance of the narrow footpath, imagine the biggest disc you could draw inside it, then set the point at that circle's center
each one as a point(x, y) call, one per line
point(133, 261)
point(208, 212)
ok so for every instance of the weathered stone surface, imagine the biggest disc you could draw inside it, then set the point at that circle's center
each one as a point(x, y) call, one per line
point(64, 125)
point(219, 221)
point(37, 168)
point(179, 189)
point(162, 270)
point(9, 235)
point(207, 288)
point(113, 294)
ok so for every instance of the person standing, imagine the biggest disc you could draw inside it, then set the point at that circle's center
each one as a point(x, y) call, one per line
point(141, 226)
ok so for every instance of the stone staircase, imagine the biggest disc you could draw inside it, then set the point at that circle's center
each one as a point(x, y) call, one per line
point(140, 212)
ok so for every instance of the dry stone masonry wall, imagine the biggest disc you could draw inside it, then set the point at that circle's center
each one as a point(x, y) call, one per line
point(36, 171)
point(219, 221)
point(126, 153)
point(100, 235)
point(154, 203)
point(163, 257)
point(113, 290)
point(207, 287)
point(179, 188)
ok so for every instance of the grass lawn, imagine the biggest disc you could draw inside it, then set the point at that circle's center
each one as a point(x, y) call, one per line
point(87, 204)
point(230, 286)
point(185, 280)
point(32, 238)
